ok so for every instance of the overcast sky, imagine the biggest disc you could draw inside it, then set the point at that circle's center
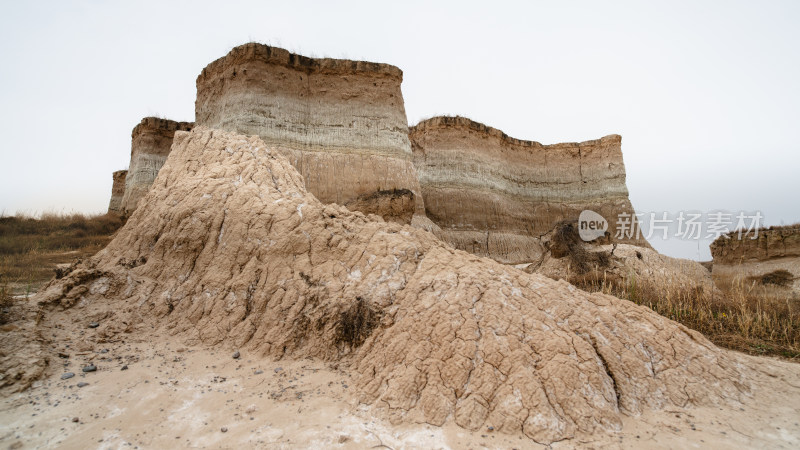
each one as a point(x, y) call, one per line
point(706, 95)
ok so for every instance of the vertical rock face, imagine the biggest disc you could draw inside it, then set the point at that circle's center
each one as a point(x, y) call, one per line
point(774, 249)
point(151, 141)
point(117, 191)
point(341, 123)
point(493, 195)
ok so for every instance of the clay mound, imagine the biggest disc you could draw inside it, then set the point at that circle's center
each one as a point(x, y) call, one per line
point(228, 248)
point(493, 195)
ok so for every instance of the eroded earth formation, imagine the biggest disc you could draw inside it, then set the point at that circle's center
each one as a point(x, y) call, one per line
point(151, 141)
point(341, 123)
point(230, 249)
point(496, 196)
point(117, 191)
point(771, 256)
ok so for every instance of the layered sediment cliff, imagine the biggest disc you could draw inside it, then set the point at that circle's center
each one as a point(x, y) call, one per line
point(341, 123)
point(117, 191)
point(772, 250)
point(494, 195)
point(151, 141)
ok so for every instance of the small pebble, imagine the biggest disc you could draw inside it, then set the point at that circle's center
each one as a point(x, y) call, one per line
point(236, 355)
point(278, 369)
point(75, 419)
point(67, 376)
point(105, 350)
point(259, 372)
point(89, 368)
point(224, 429)
point(82, 384)
point(93, 324)
point(125, 367)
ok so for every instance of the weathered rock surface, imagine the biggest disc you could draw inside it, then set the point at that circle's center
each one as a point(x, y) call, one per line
point(232, 250)
point(151, 140)
point(341, 123)
point(773, 249)
point(117, 191)
point(396, 205)
point(23, 350)
point(493, 195)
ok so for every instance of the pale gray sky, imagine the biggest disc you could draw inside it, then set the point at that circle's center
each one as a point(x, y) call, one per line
point(704, 93)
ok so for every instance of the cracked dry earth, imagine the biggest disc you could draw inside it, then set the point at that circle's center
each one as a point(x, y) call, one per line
point(229, 251)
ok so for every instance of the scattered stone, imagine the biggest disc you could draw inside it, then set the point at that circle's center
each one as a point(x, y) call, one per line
point(67, 376)
point(125, 367)
point(93, 324)
point(75, 419)
point(236, 355)
point(105, 350)
point(63, 355)
point(89, 368)
point(82, 384)
point(224, 429)
point(278, 369)
point(259, 372)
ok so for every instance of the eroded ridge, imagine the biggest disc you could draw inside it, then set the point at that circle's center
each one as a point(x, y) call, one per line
point(229, 249)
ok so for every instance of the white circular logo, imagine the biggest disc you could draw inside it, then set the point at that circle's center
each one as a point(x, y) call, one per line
point(591, 225)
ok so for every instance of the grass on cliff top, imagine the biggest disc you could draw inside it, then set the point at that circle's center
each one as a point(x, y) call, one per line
point(31, 248)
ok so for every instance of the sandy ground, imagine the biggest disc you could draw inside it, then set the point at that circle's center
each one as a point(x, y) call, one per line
point(176, 397)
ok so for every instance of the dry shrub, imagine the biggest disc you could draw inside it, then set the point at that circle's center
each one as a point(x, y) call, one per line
point(780, 277)
point(356, 323)
point(566, 241)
